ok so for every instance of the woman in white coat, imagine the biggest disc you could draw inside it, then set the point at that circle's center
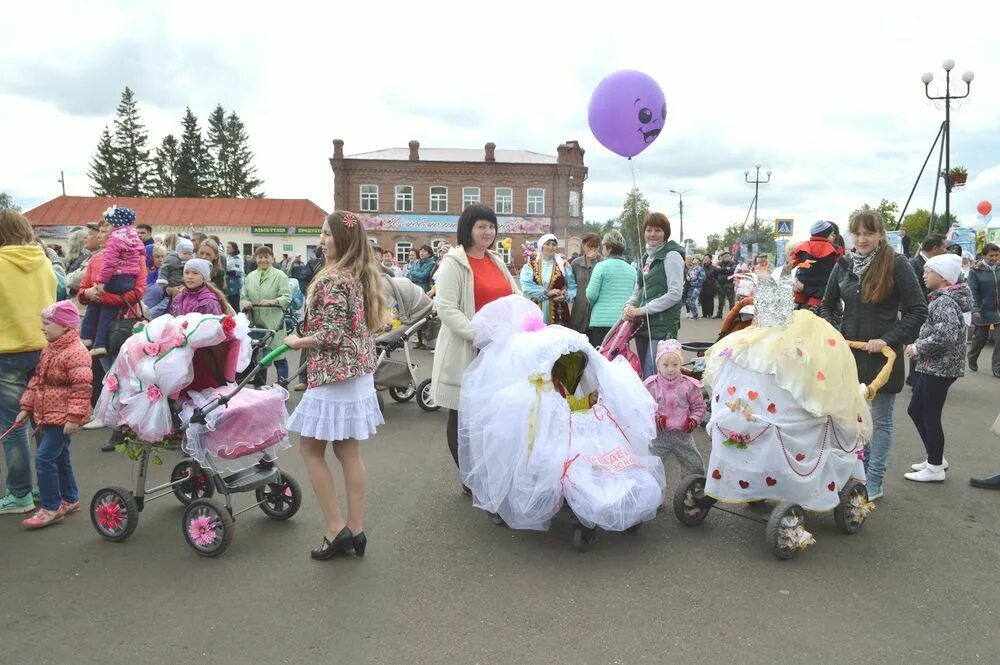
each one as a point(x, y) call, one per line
point(469, 277)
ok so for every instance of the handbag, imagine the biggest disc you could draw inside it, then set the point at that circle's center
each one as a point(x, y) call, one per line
point(123, 328)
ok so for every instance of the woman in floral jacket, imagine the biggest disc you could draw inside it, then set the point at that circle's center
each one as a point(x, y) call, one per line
point(344, 306)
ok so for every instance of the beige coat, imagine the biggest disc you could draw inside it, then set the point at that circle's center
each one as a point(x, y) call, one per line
point(456, 305)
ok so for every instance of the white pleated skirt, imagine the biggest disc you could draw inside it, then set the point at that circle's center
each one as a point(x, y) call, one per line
point(338, 411)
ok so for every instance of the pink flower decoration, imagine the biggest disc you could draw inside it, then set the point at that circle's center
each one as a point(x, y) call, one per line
point(111, 382)
point(746, 438)
point(350, 220)
point(151, 349)
point(726, 352)
point(154, 394)
point(532, 323)
point(202, 531)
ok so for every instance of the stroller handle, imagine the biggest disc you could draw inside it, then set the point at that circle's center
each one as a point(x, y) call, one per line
point(274, 355)
point(883, 376)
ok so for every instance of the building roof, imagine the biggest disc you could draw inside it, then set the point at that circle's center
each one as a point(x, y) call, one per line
point(79, 210)
point(459, 155)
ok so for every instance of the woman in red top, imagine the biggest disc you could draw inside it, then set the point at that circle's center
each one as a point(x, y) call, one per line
point(469, 277)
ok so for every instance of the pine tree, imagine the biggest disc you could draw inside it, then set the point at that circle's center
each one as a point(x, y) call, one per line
point(165, 167)
point(243, 181)
point(130, 142)
point(631, 219)
point(221, 151)
point(194, 163)
point(105, 169)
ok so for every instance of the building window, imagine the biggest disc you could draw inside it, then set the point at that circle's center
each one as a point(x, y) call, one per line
point(369, 198)
point(504, 200)
point(574, 204)
point(404, 198)
point(439, 199)
point(536, 201)
point(470, 196)
point(502, 251)
point(249, 249)
point(403, 252)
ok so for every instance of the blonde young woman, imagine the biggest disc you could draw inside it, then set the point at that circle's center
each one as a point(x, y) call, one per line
point(344, 306)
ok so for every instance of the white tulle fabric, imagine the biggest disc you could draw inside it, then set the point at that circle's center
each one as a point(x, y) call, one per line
point(156, 364)
point(521, 449)
point(250, 427)
point(339, 411)
point(793, 454)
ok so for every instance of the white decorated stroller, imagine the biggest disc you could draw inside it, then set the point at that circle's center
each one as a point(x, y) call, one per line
point(411, 311)
point(544, 420)
point(174, 379)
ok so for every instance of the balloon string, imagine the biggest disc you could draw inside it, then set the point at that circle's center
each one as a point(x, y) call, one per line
point(640, 260)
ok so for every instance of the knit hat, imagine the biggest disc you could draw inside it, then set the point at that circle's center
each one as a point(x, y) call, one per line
point(64, 313)
point(201, 265)
point(116, 216)
point(669, 346)
point(822, 228)
point(184, 246)
point(948, 266)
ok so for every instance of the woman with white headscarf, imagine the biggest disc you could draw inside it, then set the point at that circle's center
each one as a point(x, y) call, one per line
point(549, 282)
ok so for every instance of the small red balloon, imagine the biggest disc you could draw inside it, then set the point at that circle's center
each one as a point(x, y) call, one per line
point(984, 207)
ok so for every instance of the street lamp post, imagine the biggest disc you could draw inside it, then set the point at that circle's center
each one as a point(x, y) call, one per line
point(967, 77)
point(681, 196)
point(756, 182)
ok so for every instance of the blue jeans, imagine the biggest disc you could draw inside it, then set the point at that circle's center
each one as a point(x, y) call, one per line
point(56, 482)
point(97, 319)
point(15, 371)
point(877, 453)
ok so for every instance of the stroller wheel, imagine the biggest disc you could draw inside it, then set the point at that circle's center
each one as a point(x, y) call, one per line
point(853, 509)
point(280, 500)
point(583, 538)
point(208, 527)
point(197, 484)
point(402, 394)
point(114, 513)
point(424, 399)
point(690, 506)
point(783, 526)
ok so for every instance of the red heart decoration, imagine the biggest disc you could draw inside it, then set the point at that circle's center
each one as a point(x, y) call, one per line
point(832, 487)
point(717, 474)
point(731, 390)
point(771, 482)
point(744, 484)
point(860, 419)
point(799, 351)
point(799, 457)
point(831, 342)
point(753, 394)
point(771, 408)
point(821, 376)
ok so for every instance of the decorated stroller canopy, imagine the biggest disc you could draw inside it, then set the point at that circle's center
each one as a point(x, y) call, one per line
point(166, 357)
point(789, 418)
point(545, 418)
point(407, 304)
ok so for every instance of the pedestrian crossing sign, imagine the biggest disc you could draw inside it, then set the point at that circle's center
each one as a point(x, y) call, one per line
point(783, 227)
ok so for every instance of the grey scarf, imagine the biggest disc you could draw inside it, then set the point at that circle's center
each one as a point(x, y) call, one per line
point(861, 264)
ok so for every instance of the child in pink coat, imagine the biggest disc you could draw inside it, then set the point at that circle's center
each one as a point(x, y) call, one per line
point(680, 406)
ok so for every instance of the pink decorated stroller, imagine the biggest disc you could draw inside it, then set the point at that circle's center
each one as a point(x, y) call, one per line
point(618, 343)
point(174, 379)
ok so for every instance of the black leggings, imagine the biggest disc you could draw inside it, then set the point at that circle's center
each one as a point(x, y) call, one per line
point(926, 405)
point(452, 432)
point(707, 304)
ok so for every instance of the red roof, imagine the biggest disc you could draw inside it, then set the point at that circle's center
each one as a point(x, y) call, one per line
point(79, 210)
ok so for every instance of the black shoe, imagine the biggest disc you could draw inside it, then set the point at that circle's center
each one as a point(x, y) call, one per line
point(360, 543)
point(986, 483)
point(109, 447)
point(342, 544)
point(973, 365)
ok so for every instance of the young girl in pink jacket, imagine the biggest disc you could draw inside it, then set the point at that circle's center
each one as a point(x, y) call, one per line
point(680, 406)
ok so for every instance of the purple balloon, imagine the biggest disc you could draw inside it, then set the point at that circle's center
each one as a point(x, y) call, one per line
point(627, 112)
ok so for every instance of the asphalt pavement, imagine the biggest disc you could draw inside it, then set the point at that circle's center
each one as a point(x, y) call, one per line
point(441, 584)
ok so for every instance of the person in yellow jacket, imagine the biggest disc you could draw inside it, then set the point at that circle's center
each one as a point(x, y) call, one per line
point(27, 286)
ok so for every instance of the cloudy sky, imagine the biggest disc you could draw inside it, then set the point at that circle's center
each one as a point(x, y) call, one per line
point(826, 95)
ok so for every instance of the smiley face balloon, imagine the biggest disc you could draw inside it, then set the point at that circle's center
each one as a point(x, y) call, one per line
point(627, 112)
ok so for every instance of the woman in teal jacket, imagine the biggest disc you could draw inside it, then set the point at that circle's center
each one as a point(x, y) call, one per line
point(611, 285)
point(420, 272)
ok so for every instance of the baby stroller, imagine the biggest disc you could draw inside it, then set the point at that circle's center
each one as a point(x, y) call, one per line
point(545, 420)
point(411, 311)
point(618, 343)
point(174, 379)
point(261, 340)
point(789, 425)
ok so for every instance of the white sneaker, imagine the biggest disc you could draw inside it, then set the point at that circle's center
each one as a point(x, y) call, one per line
point(929, 474)
point(94, 424)
point(920, 466)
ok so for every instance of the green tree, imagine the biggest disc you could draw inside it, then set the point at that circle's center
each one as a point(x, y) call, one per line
point(7, 201)
point(130, 142)
point(194, 163)
point(165, 167)
point(221, 151)
point(105, 169)
point(713, 243)
point(888, 210)
point(241, 180)
point(630, 220)
point(917, 222)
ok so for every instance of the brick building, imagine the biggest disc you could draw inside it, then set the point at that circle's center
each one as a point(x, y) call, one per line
point(408, 197)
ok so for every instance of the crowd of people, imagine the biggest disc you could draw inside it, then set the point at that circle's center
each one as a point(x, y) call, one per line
point(116, 271)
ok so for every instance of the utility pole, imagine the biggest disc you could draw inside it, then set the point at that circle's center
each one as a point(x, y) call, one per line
point(681, 195)
point(62, 181)
point(967, 77)
point(756, 182)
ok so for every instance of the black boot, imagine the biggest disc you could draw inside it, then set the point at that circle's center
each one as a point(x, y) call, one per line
point(986, 482)
point(116, 438)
